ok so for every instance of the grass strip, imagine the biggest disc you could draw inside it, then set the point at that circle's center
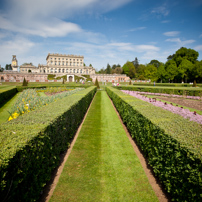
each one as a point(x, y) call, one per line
point(4, 115)
point(103, 165)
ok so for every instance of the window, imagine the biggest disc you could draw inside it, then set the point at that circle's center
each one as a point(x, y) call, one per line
point(66, 63)
point(58, 58)
point(67, 70)
point(55, 63)
point(63, 70)
point(74, 70)
point(86, 71)
point(62, 58)
point(59, 71)
point(55, 70)
point(81, 71)
point(55, 58)
point(77, 70)
point(70, 70)
point(63, 63)
point(59, 63)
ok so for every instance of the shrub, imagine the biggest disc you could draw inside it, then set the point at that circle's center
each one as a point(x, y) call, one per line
point(97, 84)
point(24, 82)
point(31, 145)
point(171, 144)
point(6, 95)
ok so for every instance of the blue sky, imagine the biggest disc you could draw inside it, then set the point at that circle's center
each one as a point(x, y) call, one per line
point(103, 31)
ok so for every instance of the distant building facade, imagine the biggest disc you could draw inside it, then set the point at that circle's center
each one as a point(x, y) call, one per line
point(14, 63)
point(60, 65)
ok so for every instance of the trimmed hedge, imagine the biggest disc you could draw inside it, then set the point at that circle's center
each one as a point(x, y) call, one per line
point(171, 143)
point(165, 84)
point(166, 90)
point(6, 95)
point(30, 146)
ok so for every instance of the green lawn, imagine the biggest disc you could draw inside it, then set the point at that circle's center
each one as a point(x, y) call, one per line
point(4, 115)
point(103, 165)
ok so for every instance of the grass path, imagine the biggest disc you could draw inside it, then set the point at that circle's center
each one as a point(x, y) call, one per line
point(103, 165)
point(4, 115)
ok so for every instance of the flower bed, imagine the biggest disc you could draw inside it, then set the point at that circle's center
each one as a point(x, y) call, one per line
point(31, 145)
point(29, 100)
point(170, 95)
point(171, 144)
point(177, 110)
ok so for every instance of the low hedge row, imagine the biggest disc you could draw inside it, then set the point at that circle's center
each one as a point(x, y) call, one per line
point(6, 95)
point(166, 90)
point(30, 146)
point(171, 144)
point(166, 84)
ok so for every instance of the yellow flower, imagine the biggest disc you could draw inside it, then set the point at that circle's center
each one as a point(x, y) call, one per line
point(10, 118)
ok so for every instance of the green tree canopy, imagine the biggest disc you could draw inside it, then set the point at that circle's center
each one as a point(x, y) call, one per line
point(129, 69)
point(156, 63)
point(184, 53)
point(171, 70)
point(108, 69)
point(161, 72)
point(151, 72)
point(184, 68)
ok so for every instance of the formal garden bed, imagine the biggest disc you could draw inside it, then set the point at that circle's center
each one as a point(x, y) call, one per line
point(171, 144)
point(31, 145)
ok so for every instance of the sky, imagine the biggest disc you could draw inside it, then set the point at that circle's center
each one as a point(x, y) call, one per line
point(103, 31)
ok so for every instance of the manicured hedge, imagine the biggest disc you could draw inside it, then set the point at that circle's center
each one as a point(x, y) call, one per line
point(172, 144)
point(30, 146)
point(165, 84)
point(6, 95)
point(166, 90)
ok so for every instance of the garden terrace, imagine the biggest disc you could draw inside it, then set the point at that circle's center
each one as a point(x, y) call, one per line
point(166, 90)
point(30, 146)
point(172, 144)
point(102, 165)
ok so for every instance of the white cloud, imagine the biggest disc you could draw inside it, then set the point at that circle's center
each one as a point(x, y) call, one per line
point(136, 29)
point(198, 48)
point(45, 18)
point(180, 42)
point(161, 10)
point(165, 21)
point(17, 46)
point(146, 48)
point(172, 34)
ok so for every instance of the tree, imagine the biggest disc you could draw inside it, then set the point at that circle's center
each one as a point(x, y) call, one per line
point(161, 72)
point(171, 70)
point(114, 67)
point(151, 72)
point(184, 53)
point(184, 69)
point(1, 69)
point(156, 63)
point(97, 83)
point(24, 82)
point(197, 70)
point(140, 72)
point(129, 69)
point(8, 67)
point(136, 63)
point(118, 70)
point(90, 65)
point(108, 69)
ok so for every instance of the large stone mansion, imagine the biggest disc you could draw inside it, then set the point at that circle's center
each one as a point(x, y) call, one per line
point(59, 65)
